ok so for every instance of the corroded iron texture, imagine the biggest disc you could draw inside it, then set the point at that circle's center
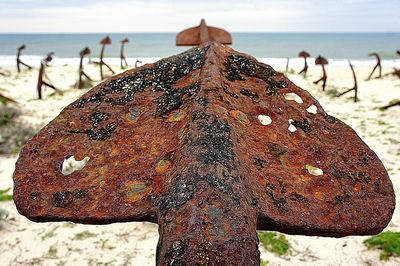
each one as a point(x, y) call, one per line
point(207, 145)
point(305, 55)
point(202, 34)
point(322, 61)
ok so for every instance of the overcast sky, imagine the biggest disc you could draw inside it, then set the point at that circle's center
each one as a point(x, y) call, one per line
point(174, 15)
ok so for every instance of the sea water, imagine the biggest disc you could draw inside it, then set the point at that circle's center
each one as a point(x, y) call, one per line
point(272, 48)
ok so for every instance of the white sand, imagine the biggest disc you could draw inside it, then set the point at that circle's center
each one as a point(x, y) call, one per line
point(26, 243)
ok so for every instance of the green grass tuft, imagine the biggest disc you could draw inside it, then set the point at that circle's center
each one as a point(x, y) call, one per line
point(83, 235)
point(273, 242)
point(4, 196)
point(387, 242)
point(51, 253)
point(6, 116)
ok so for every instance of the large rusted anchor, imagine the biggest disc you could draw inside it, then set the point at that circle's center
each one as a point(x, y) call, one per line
point(206, 144)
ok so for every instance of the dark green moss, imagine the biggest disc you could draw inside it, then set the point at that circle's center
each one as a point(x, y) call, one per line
point(303, 124)
point(297, 197)
point(273, 87)
point(340, 199)
point(4, 196)
point(229, 92)
point(62, 199)
point(248, 93)
point(81, 193)
point(34, 195)
point(387, 242)
point(278, 202)
point(173, 98)
point(97, 117)
point(258, 162)
point(176, 252)
point(360, 177)
point(101, 133)
point(275, 149)
point(273, 242)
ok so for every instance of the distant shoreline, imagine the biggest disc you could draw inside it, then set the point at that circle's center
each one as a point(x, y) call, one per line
point(262, 45)
point(8, 61)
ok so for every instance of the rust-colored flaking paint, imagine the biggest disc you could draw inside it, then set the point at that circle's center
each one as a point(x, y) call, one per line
point(179, 143)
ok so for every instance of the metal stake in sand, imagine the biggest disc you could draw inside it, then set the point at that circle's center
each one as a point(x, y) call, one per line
point(19, 61)
point(42, 75)
point(322, 61)
point(355, 87)
point(105, 41)
point(5, 99)
point(396, 71)
point(395, 103)
point(124, 64)
point(137, 63)
point(378, 65)
point(287, 65)
point(4, 73)
point(305, 55)
point(200, 144)
point(82, 54)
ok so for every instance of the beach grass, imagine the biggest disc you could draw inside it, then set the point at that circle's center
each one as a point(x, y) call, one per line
point(4, 196)
point(13, 133)
point(84, 235)
point(387, 242)
point(274, 242)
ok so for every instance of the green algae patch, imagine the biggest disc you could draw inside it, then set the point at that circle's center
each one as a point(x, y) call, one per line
point(4, 196)
point(84, 235)
point(275, 243)
point(387, 242)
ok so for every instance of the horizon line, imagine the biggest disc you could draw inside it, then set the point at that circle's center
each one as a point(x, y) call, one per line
point(232, 32)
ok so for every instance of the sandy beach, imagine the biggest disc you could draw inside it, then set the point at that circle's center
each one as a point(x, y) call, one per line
point(26, 243)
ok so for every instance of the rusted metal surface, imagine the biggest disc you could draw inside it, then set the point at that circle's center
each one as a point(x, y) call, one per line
point(104, 42)
point(305, 55)
point(355, 87)
point(42, 75)
point(85, 51)
point(124, 63)
point(390, 105)
point(322, 61)
point(377, 66)
point(203, 34)
point(206, 145)
point(19, 61)
point(5, 99)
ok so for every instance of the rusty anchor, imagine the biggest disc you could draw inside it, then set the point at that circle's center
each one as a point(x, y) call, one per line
point(205, 144)
point(322, 61)
point(85, 51)
point(19, 61)
point(104, 42)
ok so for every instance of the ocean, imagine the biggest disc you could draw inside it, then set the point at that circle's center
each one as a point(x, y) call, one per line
point(148, 47)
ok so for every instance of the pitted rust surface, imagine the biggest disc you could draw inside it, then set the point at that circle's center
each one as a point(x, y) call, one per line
point(180, 143)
